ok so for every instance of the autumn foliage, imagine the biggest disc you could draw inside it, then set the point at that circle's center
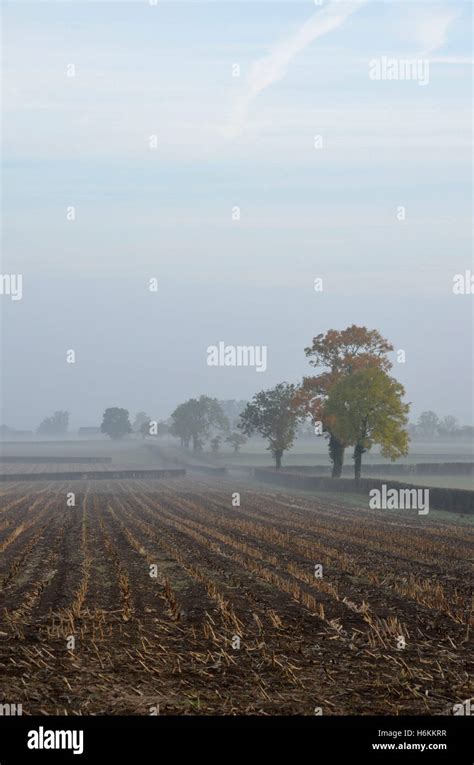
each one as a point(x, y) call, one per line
point(339, 354)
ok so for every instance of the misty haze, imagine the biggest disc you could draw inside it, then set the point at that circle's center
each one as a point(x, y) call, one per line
point(236, 430)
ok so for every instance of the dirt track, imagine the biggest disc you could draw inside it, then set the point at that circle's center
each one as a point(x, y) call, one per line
point(384, 631)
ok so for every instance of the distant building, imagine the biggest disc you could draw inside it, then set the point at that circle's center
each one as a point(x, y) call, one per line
point(89, 432)
point(16, 434)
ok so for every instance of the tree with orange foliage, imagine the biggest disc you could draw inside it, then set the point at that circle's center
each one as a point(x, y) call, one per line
point(339, 353)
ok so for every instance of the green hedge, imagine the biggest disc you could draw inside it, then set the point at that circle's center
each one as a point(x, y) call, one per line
point(450, 500)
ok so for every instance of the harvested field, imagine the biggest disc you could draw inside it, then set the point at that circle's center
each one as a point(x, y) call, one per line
point(162, 596)
point(40, 467)
point(37, 460)
point(92, 475)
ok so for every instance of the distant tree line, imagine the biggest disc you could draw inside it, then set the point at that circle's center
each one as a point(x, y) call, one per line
point(430, 427)
point(351, 401)
point(55, 425)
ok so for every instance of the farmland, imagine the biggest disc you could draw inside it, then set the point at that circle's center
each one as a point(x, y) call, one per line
point(167, 597)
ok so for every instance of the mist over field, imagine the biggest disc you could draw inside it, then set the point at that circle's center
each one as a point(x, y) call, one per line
point(236, 424)
point(235, 154)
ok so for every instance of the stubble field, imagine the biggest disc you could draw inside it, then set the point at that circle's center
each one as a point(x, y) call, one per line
point(166, 597)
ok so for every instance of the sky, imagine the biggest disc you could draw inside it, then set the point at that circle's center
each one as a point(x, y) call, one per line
point(155, 122)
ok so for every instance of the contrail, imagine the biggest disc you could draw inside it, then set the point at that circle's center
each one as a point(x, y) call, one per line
point(271, 68)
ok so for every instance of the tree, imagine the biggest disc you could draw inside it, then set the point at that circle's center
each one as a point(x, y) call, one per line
point(141, 418)
point(339, 353)
point(310, 401)
point(449, 426)
point(272, 414)
point(181, 425)
point(428, 424)
point(215, 443)
point(145, 428)
point(56, 425)
point(366, 408)
point(232, 409)
point(194, 420)
point(162, 428)
point(116, 423)
point(350, 349)
point(236, 440)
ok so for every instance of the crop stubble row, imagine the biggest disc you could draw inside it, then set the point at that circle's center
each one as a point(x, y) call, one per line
point(226, 574)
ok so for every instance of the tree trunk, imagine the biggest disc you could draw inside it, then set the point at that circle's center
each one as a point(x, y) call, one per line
point(336, 453)
point(278, 456)
point(358, 452)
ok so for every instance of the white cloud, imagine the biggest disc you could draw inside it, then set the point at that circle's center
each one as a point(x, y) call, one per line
point(431, 30)
point(425, 25)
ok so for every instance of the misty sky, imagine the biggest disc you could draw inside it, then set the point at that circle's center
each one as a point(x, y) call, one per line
point(226, 141)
